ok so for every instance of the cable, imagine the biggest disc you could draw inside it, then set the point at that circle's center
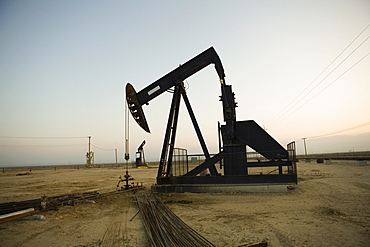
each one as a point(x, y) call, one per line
point(340, 131)
point(276, 122)
point(127, 133)
point(279, 114)
point(41, 137)
point(43, 146)
point(322, 81)
point(104, 149)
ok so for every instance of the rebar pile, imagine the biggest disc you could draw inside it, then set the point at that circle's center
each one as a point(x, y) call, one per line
point(55, 202)
point(164, 228)
point(50, 202)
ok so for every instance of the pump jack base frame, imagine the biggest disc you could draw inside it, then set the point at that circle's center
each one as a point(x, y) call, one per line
point(251, 183)
point(220, 188)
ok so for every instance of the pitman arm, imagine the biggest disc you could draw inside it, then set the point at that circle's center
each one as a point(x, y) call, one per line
point(136, 100)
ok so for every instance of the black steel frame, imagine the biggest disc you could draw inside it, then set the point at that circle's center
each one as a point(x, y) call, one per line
point(234, 136)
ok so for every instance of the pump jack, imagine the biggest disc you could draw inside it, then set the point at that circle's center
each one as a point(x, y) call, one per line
point(140, 156)
point(236, 135)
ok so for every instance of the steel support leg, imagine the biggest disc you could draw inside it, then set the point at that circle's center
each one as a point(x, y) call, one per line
point(162, 170)
point(212, 168)
point(173, 133)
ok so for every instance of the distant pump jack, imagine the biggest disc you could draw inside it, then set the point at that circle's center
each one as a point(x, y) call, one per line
point(140, 156)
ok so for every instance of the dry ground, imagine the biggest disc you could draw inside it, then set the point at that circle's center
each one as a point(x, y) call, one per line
point(329, 207)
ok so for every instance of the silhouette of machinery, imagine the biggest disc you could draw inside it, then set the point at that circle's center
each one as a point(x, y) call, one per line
point(140, 156)
point(234, 136)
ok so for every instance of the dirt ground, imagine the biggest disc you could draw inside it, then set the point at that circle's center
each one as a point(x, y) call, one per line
point(330, 206)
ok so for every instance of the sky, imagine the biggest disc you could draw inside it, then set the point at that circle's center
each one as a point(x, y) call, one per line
point(64, 66)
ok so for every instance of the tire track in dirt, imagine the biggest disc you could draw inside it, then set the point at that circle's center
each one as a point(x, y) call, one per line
point(116, 232)
point(26, 241)
point(114, 235)
point(123, 229)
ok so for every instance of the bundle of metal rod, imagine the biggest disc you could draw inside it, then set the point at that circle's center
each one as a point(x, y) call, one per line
point(48, 203)
point(164, 228)
point(9, 207)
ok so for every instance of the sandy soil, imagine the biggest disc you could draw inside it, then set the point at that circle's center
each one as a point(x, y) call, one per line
point(329, 207)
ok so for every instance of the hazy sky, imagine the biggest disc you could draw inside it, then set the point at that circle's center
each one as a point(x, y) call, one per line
point(64, 66)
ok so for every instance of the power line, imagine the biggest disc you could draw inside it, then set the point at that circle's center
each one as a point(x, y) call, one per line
point(42, 137)
point(42, 146)
point(276, 122)
point(322, 81)
point(278, 116)
point(49, 137)
point(104, 149)
point(340, 131)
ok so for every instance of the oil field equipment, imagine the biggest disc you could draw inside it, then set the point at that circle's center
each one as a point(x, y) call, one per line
point(231, 166)
point(89, 155)
point(140, 156)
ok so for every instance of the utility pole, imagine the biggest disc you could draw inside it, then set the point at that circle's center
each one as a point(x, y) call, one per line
point(89, 144)
point(305, 149)
point(89, 155)
point(116, 158)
